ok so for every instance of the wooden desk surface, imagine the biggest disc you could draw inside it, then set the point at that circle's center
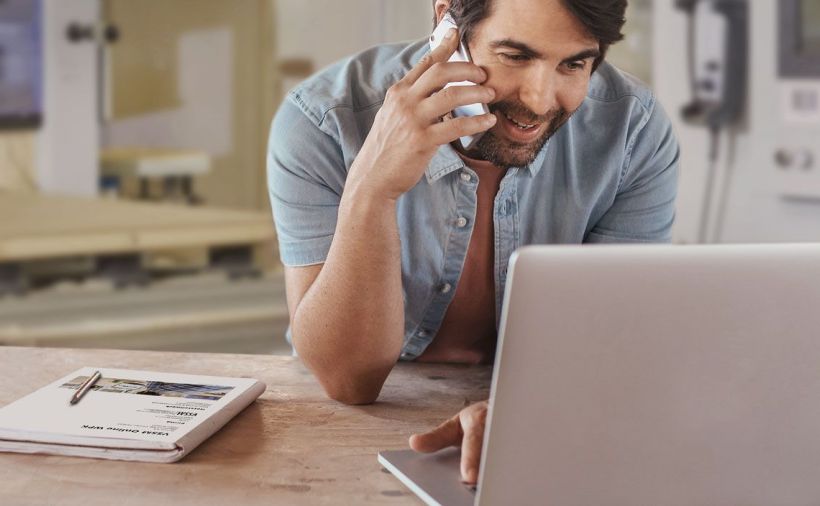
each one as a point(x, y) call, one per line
point(293, 446)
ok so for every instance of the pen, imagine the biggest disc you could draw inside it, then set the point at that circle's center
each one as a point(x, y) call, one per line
point(85, 387)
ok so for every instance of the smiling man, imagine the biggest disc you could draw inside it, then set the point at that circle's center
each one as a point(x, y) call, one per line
point(396, 241)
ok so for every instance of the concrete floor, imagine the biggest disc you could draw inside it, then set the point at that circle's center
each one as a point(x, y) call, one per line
point(204, 312)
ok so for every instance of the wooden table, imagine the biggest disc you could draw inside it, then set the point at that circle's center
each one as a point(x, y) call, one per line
point(293, 446)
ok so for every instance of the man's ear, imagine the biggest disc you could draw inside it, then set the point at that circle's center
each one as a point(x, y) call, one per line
point(441, 7)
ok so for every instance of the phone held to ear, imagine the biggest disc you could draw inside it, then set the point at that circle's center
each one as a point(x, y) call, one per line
point(461, 55)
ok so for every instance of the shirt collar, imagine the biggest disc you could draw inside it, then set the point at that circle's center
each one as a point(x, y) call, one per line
point(446, 160)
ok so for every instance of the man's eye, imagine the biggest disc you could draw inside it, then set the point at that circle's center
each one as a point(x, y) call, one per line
point(576, 65)
point(514, 57)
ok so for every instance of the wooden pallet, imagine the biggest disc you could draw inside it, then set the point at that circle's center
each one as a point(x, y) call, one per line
point(41, 234)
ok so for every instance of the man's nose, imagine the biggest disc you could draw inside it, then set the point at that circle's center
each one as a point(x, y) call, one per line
point(538, 92)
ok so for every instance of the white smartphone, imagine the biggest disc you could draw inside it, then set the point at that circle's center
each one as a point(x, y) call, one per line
point(462, 54)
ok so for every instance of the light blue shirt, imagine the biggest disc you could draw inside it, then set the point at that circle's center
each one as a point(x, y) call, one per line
point(608, 175)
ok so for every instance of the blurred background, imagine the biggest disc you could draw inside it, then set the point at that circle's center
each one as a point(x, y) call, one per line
point(133, 202)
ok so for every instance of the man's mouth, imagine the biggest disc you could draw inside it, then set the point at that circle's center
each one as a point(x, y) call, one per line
point(517, 131)
point(518, 135)
point(522, 126)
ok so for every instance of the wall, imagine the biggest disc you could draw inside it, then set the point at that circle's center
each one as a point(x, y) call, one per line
point(68, 141)
point(196, 74)
point(634, 53)
point(324, 31)
point(750, 188)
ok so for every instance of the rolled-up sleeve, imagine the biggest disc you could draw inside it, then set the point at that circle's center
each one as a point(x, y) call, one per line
point(306, 174)
point(644, 208)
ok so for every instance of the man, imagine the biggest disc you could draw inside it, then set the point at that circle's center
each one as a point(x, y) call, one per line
point(396, 241)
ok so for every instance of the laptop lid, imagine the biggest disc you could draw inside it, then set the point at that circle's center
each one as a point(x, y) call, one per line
point(663, 375)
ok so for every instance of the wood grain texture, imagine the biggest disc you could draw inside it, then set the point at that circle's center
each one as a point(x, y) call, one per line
point(293, 446)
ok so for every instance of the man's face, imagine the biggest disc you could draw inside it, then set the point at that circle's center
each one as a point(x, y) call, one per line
point(538, 59)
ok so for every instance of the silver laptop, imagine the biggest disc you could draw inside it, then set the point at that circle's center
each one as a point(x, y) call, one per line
point(648, 375)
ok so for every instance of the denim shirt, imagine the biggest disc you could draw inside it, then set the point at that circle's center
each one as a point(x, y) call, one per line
point(608, 175)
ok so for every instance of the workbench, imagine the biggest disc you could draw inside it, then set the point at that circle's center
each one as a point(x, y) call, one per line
point(123, 240)
point(41, 226)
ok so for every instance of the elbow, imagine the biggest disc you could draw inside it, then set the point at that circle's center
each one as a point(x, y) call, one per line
point(353, 396)
point(354, 386)
point(351, 384)
point(350, 380)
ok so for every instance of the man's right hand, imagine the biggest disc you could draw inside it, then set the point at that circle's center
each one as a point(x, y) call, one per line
point(466, 429)
point(408, 128)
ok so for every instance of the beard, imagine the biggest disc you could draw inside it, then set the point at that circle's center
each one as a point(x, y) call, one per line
point(504, 153)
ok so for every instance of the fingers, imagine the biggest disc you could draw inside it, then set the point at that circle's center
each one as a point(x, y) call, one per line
point(465, 429)
point(449, 98)
point(447, 434)
point(472, 421)
point(449, 130)
point(439, 74)
point(442, 53)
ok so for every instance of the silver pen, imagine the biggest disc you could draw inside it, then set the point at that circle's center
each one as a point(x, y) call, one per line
point(85, 387)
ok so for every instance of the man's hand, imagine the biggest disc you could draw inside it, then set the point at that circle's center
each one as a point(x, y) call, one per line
point(466, 429)
point(408, 128)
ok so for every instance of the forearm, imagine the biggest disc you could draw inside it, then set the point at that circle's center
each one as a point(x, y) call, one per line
point(348, 328)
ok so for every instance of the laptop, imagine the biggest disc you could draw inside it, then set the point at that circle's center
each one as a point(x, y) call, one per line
point(648, 375)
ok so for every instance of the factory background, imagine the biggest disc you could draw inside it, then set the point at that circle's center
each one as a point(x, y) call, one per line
point(132, 149)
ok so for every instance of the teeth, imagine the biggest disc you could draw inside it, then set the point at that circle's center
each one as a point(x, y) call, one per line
point(519, 125)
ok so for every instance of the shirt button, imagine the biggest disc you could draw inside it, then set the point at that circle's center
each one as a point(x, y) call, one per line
point(461, 222)
point(422, 333)
point(466, 177)
point(445, 288)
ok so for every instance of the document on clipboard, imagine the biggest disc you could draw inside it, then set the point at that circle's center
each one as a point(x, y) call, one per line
point(125, 415)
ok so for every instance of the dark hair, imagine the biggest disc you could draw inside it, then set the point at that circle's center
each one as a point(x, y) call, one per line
point(603, 19)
